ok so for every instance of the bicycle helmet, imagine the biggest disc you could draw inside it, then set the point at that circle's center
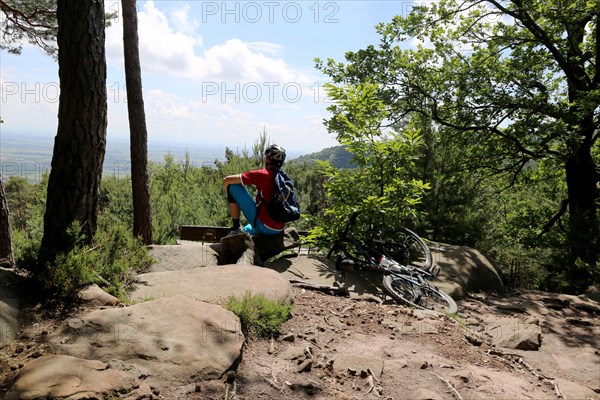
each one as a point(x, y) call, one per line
point(275, 153)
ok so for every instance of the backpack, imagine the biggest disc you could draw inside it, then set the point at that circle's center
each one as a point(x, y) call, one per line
point(284, 206)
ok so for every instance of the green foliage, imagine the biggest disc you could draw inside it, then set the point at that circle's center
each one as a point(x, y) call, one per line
point(382, 186)
point(183, 194)
point(111, 261)
point(258, 314)
point(26, 203)
point(506, 109)
point(115, 204)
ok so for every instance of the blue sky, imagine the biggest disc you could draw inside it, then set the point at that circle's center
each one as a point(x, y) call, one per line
point(213, 72)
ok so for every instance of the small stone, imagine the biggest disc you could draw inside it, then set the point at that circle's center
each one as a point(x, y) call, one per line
point(198, 388)
point(305, 366)
point(425, 365)
point(474, 339)
point(289, 337)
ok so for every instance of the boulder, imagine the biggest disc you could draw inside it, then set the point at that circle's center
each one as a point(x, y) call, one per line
point(9, 306)
point(170, 340)
point(66, 377)
point(517, 335)
point(236, 249)
point(267, 246)
point(214, 284)
point(94, 296)
point(186, 255)
point(246, 249)
point(464, 270)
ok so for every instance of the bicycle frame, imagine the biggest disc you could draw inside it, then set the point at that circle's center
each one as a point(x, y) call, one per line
point(406, 283)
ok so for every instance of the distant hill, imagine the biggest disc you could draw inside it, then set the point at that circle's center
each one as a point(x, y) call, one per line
point(336, 156)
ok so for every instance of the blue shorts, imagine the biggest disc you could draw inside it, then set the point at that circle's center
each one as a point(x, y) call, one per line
point(248, 208)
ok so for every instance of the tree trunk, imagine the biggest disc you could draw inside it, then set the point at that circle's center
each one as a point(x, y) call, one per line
point(581, 184)
point(80, 141)
point(6, 248)
point(142, 212)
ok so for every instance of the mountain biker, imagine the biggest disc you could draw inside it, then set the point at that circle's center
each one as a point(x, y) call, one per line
point(240, 200)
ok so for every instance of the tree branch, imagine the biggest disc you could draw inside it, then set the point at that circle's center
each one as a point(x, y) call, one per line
point(556, 217)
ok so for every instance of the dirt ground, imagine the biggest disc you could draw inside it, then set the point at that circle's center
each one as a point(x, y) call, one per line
point(342, 348)
point(367, 350)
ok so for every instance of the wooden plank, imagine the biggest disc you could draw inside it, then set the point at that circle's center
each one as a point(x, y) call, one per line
point(210, 234)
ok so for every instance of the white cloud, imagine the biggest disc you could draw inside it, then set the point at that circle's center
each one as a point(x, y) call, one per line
point(265, 47)
point(169, 45)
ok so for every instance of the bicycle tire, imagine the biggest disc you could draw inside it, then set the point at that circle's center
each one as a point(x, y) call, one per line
point(425, 297)
point(401, 290)
point(406, 247)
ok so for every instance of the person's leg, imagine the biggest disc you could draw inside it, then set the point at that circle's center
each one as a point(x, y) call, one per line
point(234, 212)
point(240, 200)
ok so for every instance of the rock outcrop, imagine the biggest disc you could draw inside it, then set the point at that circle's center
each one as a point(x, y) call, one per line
point(214, 284)
point(174, 339)
point(464, 270)
point(66, 377)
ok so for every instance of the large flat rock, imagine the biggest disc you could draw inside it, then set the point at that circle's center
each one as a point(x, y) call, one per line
point(214, 284)
point(185, 255)
point(66, 377)
point(169, 340)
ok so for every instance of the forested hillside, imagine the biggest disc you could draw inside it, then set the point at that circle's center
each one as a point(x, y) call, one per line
point(337, 156)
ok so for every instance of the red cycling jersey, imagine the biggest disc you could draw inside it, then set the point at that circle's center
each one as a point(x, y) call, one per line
point(264, 181)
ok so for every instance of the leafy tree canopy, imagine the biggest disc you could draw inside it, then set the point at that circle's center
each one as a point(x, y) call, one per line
point(515, 81)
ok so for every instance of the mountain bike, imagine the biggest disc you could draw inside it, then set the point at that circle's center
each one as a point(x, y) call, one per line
point(403, 258)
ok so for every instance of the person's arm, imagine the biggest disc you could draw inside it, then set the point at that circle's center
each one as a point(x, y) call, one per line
point(231, 180)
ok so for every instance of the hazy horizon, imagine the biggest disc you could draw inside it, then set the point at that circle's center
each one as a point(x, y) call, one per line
point(30, 154)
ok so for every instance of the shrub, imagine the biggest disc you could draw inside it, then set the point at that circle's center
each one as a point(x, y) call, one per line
point(258, 314)
point(112, 260)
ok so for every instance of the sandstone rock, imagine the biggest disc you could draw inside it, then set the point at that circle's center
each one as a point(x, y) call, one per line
point(187, 255)
point(425, 394)
point(292, 353)
point(271, 245)
point(573, 390)
point(517, 335)
point(237, 249)
point(464, 269)
point(214, 284)
point(173, 340)
point(66, 377)
point(9, 306)
point(94, 296)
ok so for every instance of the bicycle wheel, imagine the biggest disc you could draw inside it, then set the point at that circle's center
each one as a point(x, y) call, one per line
point(405, 247)
point(401, 290)
point(435, 299)
point(426, 296)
